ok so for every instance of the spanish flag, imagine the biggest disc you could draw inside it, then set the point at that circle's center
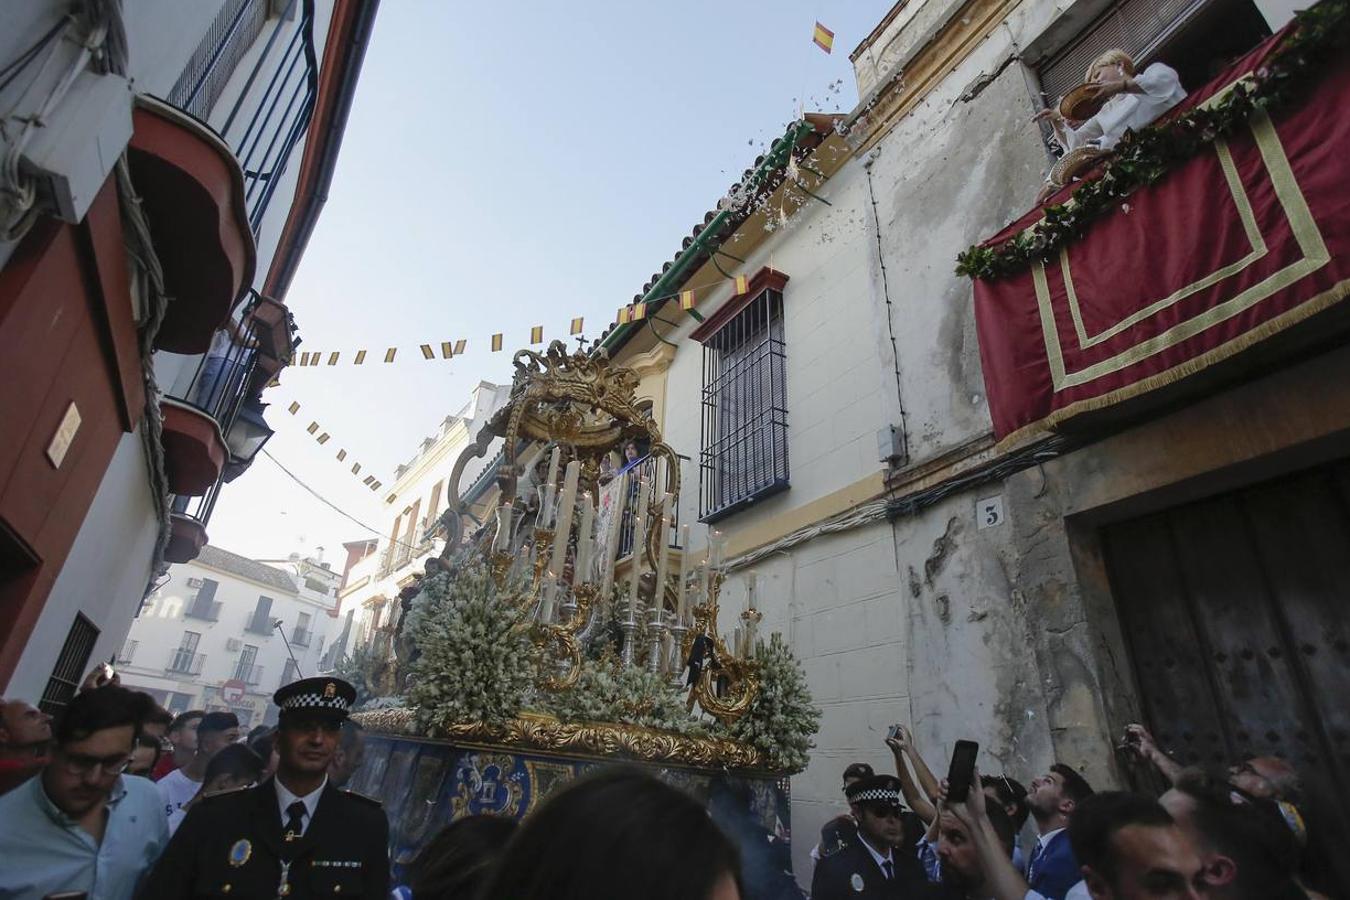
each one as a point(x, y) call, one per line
point(639, 311)
point(742, 285)
point(427, 352)
point(823, 38)
point(577, 325)
point(293, 408)
point(323, 438)
point(333, 358)
point(537, 334)
point(447, 349)
point(686, 300)
point(313, 427)
point(625, 315)
point(496, 342)
point(360, 357)
point(459, 346)
point(389, 354)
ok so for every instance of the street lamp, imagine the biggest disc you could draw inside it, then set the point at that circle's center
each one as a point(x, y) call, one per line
point(248, 433)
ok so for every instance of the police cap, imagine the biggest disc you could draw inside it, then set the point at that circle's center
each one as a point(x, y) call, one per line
point(327, 697)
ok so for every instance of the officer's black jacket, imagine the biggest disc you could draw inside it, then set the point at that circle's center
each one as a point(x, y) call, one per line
point(834, 876)
point(344, 851)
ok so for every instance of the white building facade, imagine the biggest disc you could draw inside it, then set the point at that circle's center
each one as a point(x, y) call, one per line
point(418, 497)
point(225, 632)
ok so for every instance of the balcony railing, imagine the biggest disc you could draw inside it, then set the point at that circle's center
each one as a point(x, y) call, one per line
point(185, 662)
point(248, 673)
point(626, 525)
point(275, 103)
point(301, 637)
point(259, 624)
point(207, 611)
point(128, 652)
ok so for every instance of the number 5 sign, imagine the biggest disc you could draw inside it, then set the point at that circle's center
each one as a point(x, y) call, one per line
point(989, 512)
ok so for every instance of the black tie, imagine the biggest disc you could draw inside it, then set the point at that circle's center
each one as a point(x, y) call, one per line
point(887, 869)
point(295, 825)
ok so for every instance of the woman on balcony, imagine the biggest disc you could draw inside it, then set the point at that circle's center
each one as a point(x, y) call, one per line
point(1128, 101)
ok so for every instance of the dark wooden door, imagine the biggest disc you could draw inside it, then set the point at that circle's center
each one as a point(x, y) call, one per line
point(1234, 609)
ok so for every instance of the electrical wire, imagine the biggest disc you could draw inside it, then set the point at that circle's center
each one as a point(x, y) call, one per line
point(331, 504)
point(11, 71)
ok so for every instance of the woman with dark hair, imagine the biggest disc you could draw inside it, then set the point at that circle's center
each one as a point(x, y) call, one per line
point(458, 860)
point(615, 835)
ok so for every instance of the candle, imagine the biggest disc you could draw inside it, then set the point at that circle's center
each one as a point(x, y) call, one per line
point(585, 541)
point(663, 563)
point(612, 535)
point(751, 582)
point(501, 542)
point(716, 547)
point(566, 509)
point(639, 541)
point(550, 487)
point(682, 608)
point(546, 597)
point(736, 647)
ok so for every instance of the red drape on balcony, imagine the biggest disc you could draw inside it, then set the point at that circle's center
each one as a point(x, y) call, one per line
point(1237, 245)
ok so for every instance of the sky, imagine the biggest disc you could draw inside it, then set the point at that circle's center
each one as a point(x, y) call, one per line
point(507, 165)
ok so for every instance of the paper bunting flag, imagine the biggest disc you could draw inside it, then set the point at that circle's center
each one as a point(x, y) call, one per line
point(823, 38)
point(577, 325)
point(496, 342)
point(427, 352)
point(639, 311)
point(360, 357)
point(537, 334)
point(447, 349)
point(356, 468)
point(389, 354)
point(742, 285)
point(625, 315)
point(686, 300)
point(323, 438)
point(293, 408)
point(459, 346)
point(333, 358)
point(313, 427)
point(342, 454)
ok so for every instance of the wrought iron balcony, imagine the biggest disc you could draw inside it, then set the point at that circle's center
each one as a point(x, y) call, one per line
point(276, 102)
point(185, 662)
point(301, 637)
point(639, 468)
point(248, 673)
point(128, 652)
point(259, 624)
point(207, 611)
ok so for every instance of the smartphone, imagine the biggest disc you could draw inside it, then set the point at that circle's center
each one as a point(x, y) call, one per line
point(892, 732)
point(962, 770)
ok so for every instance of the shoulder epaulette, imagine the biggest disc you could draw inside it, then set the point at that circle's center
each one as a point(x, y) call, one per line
point(226, 793)
point(370, 800)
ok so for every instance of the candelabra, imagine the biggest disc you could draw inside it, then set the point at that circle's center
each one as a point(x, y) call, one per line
point(658, 628)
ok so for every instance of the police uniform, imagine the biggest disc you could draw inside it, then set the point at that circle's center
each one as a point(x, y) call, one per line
point(853, 872)
point(236, 844)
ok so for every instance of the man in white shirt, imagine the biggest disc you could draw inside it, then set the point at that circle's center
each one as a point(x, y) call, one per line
point(216, 731)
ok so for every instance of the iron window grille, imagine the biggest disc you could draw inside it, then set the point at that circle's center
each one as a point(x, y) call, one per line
point(743, 454)
point(70, 666)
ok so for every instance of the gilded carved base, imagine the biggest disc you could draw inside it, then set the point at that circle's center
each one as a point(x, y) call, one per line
point(532, 731)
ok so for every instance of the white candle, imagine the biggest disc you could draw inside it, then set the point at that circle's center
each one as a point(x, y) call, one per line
point(737, 647)
point(715, 548)
point(612, 536)
point(581, 572)
point(546, 509)
point(566, 509)
point(751, 582)
point(663, 562)
point(546, 597)
point(682, 609)
point(639, 542)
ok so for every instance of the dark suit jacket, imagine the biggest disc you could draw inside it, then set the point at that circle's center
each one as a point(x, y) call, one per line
point(834, 876)
point(232, 844)
point(1057, 869)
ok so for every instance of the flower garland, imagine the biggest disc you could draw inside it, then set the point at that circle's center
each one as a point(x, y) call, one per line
point(476, 660)
point(1146, 156)
point(606, 691)
point(783, 718)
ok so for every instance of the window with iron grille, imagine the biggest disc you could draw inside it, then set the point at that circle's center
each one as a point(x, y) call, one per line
point(743, 454)
point(70, 666)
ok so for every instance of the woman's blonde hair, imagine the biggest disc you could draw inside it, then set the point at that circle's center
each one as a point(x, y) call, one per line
point(1116, 57)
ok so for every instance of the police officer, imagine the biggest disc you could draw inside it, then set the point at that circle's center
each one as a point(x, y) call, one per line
point(294, 835)
point(877, 864)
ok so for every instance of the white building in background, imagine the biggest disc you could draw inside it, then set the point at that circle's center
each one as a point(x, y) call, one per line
point(225, 632)
point(416, 500)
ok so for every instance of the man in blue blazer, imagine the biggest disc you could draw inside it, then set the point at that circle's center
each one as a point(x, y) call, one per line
point(1052, 868)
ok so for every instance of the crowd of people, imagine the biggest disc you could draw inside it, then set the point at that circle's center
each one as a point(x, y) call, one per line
point(117, 799)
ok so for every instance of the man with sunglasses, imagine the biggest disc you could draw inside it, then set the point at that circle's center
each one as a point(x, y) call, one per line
point(295, 835)
point(83, 826)
point(874, 866)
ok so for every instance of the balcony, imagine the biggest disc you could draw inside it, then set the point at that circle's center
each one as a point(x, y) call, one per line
point(248, 673)
point(626, 524)
point(259, 624)
point(207, 612)
point(185, 662)
point(1094, 314)
point(128, 652)
point(301, 637)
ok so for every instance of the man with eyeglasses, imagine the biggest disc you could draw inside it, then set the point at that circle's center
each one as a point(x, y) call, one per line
point(295, 835)
point(83, 826)
point(873, 866)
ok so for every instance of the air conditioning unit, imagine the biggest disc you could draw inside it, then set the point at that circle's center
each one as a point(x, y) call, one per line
point(194, 582)
point(233, 645)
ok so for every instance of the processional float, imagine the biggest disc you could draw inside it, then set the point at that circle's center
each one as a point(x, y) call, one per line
point(553, 549)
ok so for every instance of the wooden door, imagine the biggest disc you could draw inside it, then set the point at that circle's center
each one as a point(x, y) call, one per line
point(1234, 611)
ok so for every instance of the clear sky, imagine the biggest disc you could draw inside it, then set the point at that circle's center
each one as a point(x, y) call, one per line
point(507, 165)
